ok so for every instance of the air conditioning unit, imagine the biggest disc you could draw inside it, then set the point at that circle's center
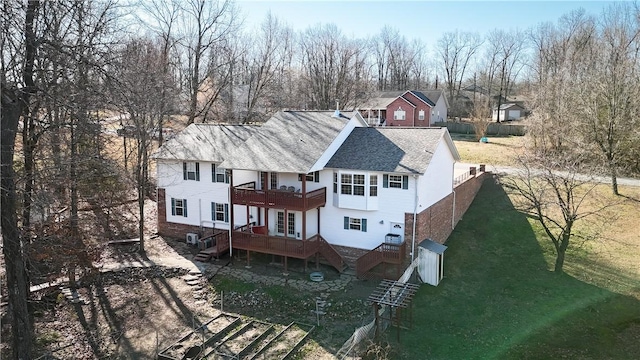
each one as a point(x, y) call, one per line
point(192, 238)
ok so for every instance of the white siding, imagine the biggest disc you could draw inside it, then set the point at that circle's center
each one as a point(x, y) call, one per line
point(439, 111)
point(394, 203)
point(437, 182)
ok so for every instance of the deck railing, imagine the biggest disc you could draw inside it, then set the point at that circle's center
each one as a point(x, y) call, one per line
point(383, 253)
point(277, 245)
point(280, 199)
point(329, 253)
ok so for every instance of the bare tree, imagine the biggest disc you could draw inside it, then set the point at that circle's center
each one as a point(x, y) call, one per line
point(608, 99)
point(507, 49)
point(271, 49)
point(206, 27)
point(456, 51)
point(15, 102)
point(334, 68)
point(552, 190)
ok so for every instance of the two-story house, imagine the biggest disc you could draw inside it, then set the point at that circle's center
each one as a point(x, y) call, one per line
point(305, 184)
point(406, 108)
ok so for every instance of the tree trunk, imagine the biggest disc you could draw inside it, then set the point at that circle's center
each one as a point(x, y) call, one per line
point(12, 243)
point(614, 177)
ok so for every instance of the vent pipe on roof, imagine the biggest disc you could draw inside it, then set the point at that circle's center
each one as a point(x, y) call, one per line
point(336, 114)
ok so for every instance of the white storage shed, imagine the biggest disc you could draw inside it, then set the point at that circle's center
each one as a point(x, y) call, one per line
point(431, 261)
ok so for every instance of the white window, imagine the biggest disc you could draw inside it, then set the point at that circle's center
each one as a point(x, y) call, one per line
point(352, 184)
point(291, 224)
point(220, 212)
point(191, 171)
point(395, 181)
point(355, 224)
point(314, 176)
point(219, 175)
point(399, 114)
point(421, 115)
point(346, 182)
point(280, 223)
point(274, 180)
point(373, 185)
point(179, 207)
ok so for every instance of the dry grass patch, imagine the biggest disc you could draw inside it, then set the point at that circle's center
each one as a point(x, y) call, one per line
point(498, 151)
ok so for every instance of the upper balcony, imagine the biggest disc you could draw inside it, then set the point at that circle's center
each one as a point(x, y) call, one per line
point(278, 199)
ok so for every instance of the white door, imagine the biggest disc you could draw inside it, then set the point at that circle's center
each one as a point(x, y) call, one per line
point(398, 229)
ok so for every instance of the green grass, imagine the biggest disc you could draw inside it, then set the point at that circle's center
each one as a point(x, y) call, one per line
point(500, 300)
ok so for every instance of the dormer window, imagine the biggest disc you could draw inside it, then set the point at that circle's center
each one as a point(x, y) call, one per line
point(421, 115)
point(399, 114)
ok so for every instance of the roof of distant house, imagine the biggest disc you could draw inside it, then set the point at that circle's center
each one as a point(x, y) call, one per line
point(205, 142)
point(510, 105)
point(384, 98)
point(391, 149)
point(290, 141)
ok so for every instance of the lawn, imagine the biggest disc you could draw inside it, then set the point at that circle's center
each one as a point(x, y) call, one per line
point(500, 300)
point(500, 150)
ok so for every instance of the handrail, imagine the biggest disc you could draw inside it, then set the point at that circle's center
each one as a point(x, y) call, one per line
point(279, 198)
point(247, 185)
point(329, 253)
point(385, 252)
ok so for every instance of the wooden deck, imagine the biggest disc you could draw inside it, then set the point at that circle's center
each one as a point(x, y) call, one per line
point(279, 199)
point(276, 245)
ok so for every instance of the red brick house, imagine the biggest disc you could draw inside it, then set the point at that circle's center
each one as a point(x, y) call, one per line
point(406, 108)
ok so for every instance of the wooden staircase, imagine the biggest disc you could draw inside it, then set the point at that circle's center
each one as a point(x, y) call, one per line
point(384, 253)
point(331, 255)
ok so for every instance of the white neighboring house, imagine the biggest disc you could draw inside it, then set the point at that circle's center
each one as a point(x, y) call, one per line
point(305, 183)
point(510, 111)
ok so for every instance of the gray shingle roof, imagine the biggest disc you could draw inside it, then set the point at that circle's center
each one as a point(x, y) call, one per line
point(290, 141)
point(205, 142)
point(390, 149)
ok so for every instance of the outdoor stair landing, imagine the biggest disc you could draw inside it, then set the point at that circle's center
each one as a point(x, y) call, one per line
point(205, 255)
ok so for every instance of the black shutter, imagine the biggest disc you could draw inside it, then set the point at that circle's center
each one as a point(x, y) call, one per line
point(385, 180)
point(197, 171)
point(316, 176)
point(184, 170)
point(405, 182)
point(226, 213)
point(364, 225)
point(346, 223)
point(173, 206)
point(213, 172)
point(213, 211)
point(184, 204)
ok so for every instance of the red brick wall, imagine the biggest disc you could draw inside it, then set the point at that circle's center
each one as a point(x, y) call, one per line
point(404, 105)
point(435, 222)
point(420, 105)
point(349, 254)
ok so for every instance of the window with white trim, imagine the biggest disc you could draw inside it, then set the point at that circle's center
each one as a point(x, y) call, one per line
point(352, 184)
point(220, 212)
point(373, 185)
point(399, 114)
point(179, 207)
point(274, 180)
point(219, 175)
point(314, 176)
point(191, 171)
point(395, 181)
point(421, 115)
point(291, 224)
point(355, 224)
point(280, 222)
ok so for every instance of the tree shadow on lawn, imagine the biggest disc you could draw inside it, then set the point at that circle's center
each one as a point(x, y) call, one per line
point(499, 298)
